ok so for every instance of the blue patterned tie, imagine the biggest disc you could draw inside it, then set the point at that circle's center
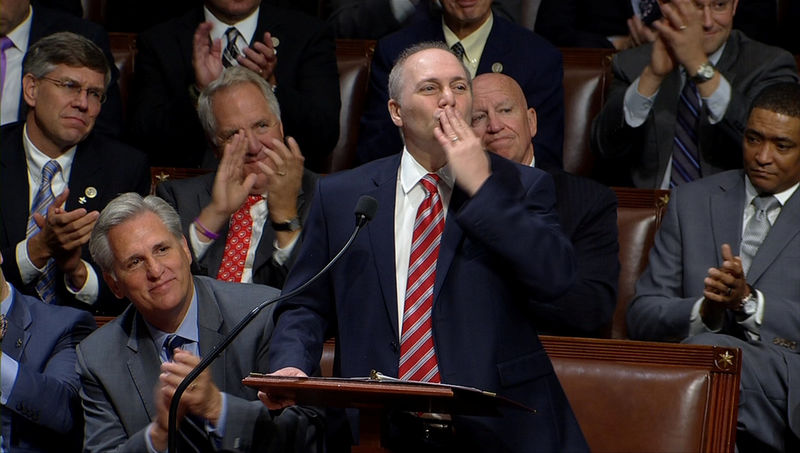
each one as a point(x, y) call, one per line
point(231, 51)
point(685, 155)
point(756, 230)
point(45, 287)
point(458, 49)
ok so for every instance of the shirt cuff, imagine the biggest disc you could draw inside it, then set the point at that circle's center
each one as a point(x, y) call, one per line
point(217, 432)
point(696, 324)
point(635, 106)
point(281, 255)
point(91, 287)
point(717, 103)
point(148, 441)
point(27, 270)
point(8, 376)
point(199, 247)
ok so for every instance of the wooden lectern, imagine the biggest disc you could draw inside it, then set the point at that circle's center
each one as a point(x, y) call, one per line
point(374, 396)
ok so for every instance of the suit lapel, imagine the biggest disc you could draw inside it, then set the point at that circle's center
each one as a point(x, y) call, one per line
point(726, 214)
point(381, 235)
point(497, 47)
point(17, 333)
point(209, 323)
point(85, 175)
point(786, 227)
point(143, 362)
point(451, 238)
point(14, 208)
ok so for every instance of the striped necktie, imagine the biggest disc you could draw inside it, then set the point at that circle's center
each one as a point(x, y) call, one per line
point(231, 52)
point(45, 286)
point(458, 49)
point(685, 149)
point(756, 229)
point(417, 356)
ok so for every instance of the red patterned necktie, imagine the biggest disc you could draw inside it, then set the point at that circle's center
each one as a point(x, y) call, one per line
point(238, 242)
point(417, 356)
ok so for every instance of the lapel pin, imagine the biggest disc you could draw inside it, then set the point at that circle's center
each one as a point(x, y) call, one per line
point(497, 67)
point(91, 192)
point(81, 200)
point(275, 41)
point(19, 342)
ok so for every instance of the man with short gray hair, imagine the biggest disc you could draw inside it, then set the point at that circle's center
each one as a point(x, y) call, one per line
point(65, 172)
point(244, 221)
point(174, 318)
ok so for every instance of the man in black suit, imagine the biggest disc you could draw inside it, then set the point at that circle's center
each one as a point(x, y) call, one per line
point(178, 59)
point(57, 174)
point(24, 24)
point(587, 210)
point(259, 175)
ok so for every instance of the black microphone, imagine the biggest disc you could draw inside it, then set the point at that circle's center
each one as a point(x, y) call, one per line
point(364, 211)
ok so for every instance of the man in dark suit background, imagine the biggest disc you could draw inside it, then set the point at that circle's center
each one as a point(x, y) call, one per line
point(491, 44)
point(173, 319)
point(24, 24)
point(685, 97)
point(178, 59)
point(40, 404)
point(723, 271)
point(57, 174)
point(242, 117)
point(469, 287)
point(587, 211)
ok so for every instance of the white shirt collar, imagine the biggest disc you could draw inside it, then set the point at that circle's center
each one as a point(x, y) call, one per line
point(246, 27)
point(751, 192)
point(20, 35)
point(411, 172)
point(36, 159)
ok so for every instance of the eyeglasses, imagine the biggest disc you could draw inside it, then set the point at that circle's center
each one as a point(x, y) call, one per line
point(716, 6)
point(75, 88)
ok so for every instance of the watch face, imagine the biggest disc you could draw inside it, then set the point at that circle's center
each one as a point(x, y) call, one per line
point(704, 73)
point(749, 306)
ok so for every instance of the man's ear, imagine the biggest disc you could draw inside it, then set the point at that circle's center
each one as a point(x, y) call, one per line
point(113, 285)
point(532, 121)
point(30, 90)
point(394, 112)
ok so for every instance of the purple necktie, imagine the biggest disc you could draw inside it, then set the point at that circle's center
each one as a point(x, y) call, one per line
point(5, 43)
point(685, 151)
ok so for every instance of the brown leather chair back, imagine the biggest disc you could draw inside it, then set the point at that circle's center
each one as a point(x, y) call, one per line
point(631, 396)
point(353, 57)
point(639, 213)
point(587, 73)
point(123, 48)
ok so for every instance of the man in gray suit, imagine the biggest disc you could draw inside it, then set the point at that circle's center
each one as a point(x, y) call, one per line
point(678, 106)
point(260, 175)
point(723, 271)
point(130, 368)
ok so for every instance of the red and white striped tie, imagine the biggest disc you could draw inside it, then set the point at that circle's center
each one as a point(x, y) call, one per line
point(417, 356)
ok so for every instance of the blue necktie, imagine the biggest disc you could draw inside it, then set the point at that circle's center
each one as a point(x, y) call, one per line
point(231, 51)
point(173, 341)
point(45, 287)
point(685, 154)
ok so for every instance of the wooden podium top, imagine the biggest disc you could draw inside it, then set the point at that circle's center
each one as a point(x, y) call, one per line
point(364, 393)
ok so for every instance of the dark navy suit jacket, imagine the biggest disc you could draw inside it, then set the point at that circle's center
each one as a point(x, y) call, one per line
point(43, 412)
point(533, 62)
point(499, 247)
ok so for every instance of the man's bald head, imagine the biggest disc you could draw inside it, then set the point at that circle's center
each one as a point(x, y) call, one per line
point(501, 117)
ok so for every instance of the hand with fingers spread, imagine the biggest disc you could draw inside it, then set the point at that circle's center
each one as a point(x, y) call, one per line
point(231, 185)
point(284, 178)
point(206, 56)
point(725, 287)
point(464, 151)
point(262, 58)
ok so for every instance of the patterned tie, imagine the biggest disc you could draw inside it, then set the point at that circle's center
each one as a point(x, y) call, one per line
point(5, 43)
point(458, 49)
point(685, 155)
point(174, 341)
point(417, 356)
point(231, 52)
point(238, 242)
point(44, 198)
point(756, 229)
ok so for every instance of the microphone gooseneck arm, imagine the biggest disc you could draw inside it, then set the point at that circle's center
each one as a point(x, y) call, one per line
point(364, 211)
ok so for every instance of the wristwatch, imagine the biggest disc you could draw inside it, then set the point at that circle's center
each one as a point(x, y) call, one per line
point(705, 72)
point(292, 224)
point(749, 304)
